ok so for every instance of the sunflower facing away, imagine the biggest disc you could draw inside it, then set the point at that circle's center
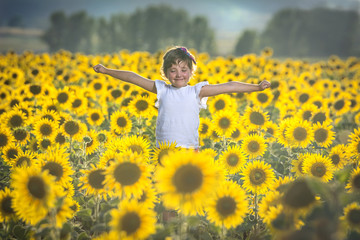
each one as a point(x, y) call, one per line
point(258, 177)
point(233, 159)
point(132, 221)
point(228, 206)
point(186, 179)
point(34, 189)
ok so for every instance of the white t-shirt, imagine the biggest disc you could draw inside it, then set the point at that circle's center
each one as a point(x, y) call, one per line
point(178, 116)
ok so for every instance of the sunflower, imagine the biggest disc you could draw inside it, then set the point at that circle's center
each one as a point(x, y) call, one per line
point(131, 220)
point(45, 128)
point(128, 175)
point(237, 133)
point(323, 134)
point(74, 129)
point(64, 97)
point(92, 182)
point(279, 182)
point(15, 118)
point(120, 122)
point(228, 206)
point(297, 164)
point(319, 166)
point(34, 189)
point(232, 159)
point(204, 127)
point(271, 131)
point(222, 102)
point(338, 156)
point(10, 152)
point(257, 176)
point(6, 137)
point(60, 138)
point(136, 144)
point(79, 103)
point(148, 197)
point(93, 143)
point(341, 105)
point(224, 122)
point(351, 216)
point(255, 118)
point(300, 133)
point(353, 184)
point(51, 115)
point(21, 136)
point(353, 148)
point(186, 179)
point(306, 111)
point(44, 144)
point(24, 159)
point(142, 106)
point(95, 117)
point(262, 99)
point(271, 199)
point(55, 161)
point(162, 151)
point(321, 115)
point(64, 212)
point(7, 211)
point(254, 145)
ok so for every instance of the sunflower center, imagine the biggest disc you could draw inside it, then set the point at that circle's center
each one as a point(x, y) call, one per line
point(97, 86)
point(62, 97)
point(257, 176)
point(299, 195)
point(12, 153)
point(257, 118)
point(127, 173)
point(307, 115)
point(71, 128)
point(187, 179)
point(319, 117)
point(45, 129)
point(253, 146)
point(335, 159)
point(21, 161)
point(16, 121)
point(162, 153)
point(143, 197)
point(280, 222)
point(262, 97)
point(121, 122)
point(35, 89)
point(300, 167)
point(339, 104)
point(219, 105)
point(300, 134)
point(136, 148)
point(6, 205)
point(354, 217)
point(141, 105)
point(77, 103)
point(318, 169)
point(321, 135)
point(116, 93)
point(60, 138)
point(49, 117)
point(226, 206)
point(96, 178)
point(356, 182)
point(224, 123)
point(304, 97)
point(95, 116)
point(204, 128)
point(130, 223)
point(3, 140)
point(55, 169)
point(235, 134)
point(36, 187)
point(45, 143)
point(232, 159)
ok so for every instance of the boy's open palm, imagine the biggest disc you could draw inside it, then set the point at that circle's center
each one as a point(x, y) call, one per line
point(99, 68)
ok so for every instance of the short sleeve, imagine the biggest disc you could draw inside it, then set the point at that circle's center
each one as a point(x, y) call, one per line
point(198, 86)
point(160, 85)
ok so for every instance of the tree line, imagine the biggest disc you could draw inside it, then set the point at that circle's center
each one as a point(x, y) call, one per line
point(150, 29)
point(290, 32)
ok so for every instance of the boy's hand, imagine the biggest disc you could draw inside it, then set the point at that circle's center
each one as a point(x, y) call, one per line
point(264, 84)
point(99, 68)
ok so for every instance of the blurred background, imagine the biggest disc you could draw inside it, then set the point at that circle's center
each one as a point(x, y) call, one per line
point(292, 28)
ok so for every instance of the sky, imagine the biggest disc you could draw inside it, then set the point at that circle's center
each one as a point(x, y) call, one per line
point(227, 17)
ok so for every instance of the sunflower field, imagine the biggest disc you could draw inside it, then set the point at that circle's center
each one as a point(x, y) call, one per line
point(79, 161)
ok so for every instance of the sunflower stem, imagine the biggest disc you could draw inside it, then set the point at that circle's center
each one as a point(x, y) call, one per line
point(223, 232)
point(256, 211)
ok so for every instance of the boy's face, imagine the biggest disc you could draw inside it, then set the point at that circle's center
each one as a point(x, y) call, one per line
point(179, 74)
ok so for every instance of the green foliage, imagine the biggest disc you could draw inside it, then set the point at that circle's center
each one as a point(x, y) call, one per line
point(246, 42)
point(151, 29)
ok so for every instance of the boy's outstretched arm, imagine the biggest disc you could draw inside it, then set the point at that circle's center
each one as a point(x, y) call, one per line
point(232, 87)
point(127, 76)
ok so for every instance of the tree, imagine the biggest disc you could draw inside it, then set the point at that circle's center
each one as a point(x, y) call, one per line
point(246, 42)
